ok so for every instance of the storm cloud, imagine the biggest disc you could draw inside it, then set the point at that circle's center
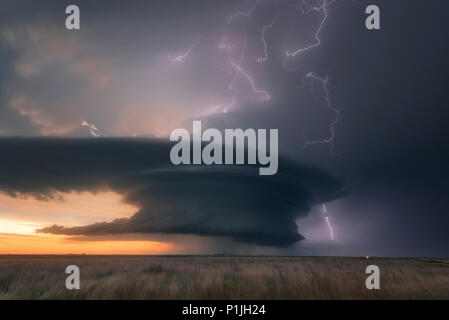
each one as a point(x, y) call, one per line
point(229, 201)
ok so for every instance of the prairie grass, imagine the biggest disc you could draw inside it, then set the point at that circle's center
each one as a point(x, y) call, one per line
point(193, 277)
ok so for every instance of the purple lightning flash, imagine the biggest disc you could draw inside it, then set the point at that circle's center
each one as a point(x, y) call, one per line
point(242, 73)
point(237, 67)
point(328, 222)
point(330, 139)
point(317, 33)
point(305, 8)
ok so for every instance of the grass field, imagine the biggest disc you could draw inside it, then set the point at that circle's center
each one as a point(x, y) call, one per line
point(190, 277)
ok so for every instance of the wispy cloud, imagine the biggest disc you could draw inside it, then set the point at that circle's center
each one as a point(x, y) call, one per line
point(94, 131)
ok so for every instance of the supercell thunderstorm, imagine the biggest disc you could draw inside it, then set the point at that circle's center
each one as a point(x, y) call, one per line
point(237, 57)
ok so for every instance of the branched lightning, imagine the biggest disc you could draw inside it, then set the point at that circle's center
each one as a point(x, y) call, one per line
point(245, 74)
point(317, 33)
point(330, 138)
point(236, 64)
point(240, 73)
point(305, 8)
point(268, 26)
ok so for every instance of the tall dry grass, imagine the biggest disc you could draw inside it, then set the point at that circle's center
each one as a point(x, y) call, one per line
point(221, 278)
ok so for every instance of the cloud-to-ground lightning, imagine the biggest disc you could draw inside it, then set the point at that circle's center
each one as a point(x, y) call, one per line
point(268, 26)
point(184, 55)
point(244, 14)
point(94, 131)
point(326, 218)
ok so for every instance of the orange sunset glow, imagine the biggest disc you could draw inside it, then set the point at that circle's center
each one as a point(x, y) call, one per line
point(21, 216)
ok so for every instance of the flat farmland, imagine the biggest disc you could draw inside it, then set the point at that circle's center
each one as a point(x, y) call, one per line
point(205, 277)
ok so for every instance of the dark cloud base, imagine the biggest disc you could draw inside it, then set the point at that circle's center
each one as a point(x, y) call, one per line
point(229, 201)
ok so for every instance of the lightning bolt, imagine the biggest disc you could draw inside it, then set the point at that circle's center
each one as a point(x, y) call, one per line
point(306, 8)
point(184, 55)
point(330, 139)
point(241, 59)
point(244, 14)
point(317, 33)
point(268, 26)
point(328, 222)
point(242, 73)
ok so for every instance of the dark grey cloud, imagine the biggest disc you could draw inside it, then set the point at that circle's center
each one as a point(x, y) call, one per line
point(230, 201)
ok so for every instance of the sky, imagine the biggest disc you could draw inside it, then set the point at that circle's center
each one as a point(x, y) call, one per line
point(85, 119)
